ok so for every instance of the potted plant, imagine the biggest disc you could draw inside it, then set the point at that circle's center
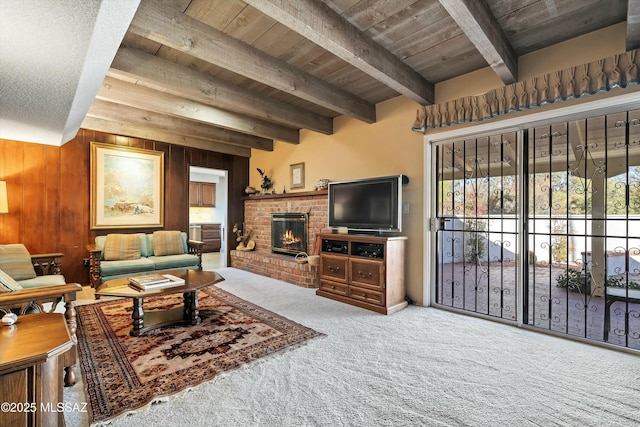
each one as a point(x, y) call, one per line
point(575, 281)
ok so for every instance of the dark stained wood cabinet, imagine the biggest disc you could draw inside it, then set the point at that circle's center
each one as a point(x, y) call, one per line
point(202, 194)
point(365, 271)
point(211, 237)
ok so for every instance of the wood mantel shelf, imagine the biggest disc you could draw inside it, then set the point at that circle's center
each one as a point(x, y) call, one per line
point(286, 195)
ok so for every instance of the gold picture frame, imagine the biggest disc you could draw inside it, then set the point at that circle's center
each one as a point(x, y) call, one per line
point(127, 187)
point(297, 175)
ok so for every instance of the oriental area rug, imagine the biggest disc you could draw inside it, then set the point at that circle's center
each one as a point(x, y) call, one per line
point(123, 373)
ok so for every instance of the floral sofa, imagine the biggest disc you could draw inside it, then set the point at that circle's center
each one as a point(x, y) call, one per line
point(120, 255)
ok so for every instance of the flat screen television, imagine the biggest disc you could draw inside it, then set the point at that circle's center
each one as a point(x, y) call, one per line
point(370, 205)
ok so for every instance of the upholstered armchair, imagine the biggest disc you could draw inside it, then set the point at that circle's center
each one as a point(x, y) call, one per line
point(31, 284)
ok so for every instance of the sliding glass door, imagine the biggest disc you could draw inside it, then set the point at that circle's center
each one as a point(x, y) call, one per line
point(569, 218)
point(477, 203)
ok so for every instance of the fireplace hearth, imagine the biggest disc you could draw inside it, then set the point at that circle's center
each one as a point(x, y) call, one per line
point(288, 233)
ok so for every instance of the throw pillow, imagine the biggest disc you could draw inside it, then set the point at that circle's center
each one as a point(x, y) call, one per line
point(167, 243)
point(15, 260)
point(121, 247)
point(7, 284)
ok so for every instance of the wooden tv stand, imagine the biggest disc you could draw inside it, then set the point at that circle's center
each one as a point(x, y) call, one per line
point(365, 271)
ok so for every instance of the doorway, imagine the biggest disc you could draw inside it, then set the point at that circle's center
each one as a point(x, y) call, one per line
point(541, 227)
point(208, 214)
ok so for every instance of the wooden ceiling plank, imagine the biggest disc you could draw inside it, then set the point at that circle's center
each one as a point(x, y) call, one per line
point(366, 14)
point(145, 132)
point(482, 29)
point(530, 27)
point(138, 96)
point(456, 55)
point(178, 80)
point(401, 27)
point(217, 14)
point(633, 25)
point(320, 24)
point(172, 28)
point(122, 113)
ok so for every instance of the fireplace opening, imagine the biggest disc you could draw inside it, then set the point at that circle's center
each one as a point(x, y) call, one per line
point(288, 233)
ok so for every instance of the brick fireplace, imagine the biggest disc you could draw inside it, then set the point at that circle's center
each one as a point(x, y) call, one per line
point(258, 211)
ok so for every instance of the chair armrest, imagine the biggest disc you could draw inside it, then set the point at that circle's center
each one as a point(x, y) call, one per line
point(47, 264)
point(195, 248)
point(93, 249)
point(68, 291)
point(24, 298)
point(95, 275)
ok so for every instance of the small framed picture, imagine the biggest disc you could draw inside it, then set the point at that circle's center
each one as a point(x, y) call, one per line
point(297, 175)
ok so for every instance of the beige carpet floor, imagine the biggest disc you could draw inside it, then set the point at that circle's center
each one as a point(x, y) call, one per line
point(418, 367)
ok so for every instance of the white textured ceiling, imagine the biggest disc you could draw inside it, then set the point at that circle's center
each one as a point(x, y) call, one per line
point(54, 56)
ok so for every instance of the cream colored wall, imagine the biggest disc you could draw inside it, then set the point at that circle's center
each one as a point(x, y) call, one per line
point(360, 150)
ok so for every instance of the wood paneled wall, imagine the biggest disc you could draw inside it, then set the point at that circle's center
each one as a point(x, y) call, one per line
point(48, 190)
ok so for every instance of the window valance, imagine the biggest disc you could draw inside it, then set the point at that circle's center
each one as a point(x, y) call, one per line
point(575, 82)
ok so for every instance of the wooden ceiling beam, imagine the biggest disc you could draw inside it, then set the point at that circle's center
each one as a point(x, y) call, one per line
point(482, 29)
point(166, 76)
point(145, 132)
point(174, 29)
point(138, 96)
point(122, 113)
point(633, 25)
point(319, 23)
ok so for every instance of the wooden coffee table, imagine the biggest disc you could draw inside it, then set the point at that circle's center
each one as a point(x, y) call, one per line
point(186, 314)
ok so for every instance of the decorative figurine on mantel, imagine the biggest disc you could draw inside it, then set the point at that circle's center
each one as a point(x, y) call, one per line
point(322, 184)
point(244, 241)
point(266, 182)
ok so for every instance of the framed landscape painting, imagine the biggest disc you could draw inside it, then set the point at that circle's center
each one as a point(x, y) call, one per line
point(127, 187)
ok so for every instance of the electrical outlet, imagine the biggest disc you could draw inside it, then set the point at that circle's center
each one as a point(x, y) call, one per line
point(405, 208)
point(85, 262)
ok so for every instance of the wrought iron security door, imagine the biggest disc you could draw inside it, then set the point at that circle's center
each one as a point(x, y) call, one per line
point(584, 228)
point(572, 226)
point(477, 204)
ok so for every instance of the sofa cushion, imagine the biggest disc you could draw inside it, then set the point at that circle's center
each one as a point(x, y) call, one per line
point(144, 251)
point(7, 284)
point(174, 261)
point(146, 245)
point(167, 243)
point(16, 261)
point(121, 247)
point(114, 268)
point(43, 281)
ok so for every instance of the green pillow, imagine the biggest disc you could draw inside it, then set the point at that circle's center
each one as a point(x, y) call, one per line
point(7, 284)
point(167, 243)
point(121, 247)
point(15, 260)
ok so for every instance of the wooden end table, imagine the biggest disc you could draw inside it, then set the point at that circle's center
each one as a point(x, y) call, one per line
point(186, 314)
point(32, 353)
